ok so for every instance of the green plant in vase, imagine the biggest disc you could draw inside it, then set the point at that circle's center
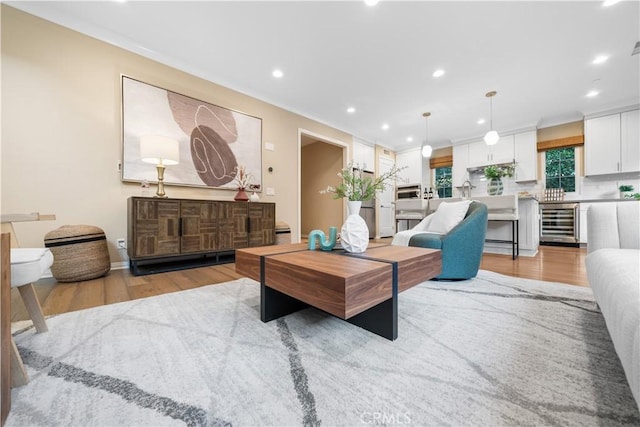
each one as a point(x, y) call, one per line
point(494, 174)
point(625, 191)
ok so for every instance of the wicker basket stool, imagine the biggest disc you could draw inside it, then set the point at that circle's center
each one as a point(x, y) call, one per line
point(79, 252)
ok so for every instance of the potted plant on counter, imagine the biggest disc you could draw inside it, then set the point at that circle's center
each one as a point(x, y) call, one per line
point(625, 191)
point(494, 174)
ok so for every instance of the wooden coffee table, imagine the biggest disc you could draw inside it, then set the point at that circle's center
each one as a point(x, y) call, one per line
point(359, 288)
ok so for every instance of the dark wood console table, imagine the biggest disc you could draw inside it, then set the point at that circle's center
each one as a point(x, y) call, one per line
point(173, 234)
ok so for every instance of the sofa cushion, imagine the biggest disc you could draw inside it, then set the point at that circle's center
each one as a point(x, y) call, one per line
point(614, 225)
point(614, 277)
point(448, 216)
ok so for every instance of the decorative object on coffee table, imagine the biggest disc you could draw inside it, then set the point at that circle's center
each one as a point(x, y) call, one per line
point(325, 244)
point(357, 187)
point(354, 235)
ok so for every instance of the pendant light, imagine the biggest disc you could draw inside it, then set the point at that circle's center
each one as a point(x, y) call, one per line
point(426, 148)
point(492, 137)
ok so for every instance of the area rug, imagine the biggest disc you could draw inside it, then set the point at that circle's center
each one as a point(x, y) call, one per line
point(494, 350)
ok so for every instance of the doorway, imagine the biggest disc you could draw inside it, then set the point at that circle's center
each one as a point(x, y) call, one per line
point(320, 160)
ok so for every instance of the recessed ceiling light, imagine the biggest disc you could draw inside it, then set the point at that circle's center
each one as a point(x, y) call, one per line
point(409, 139)
point(371, 2)
point(351, 110)
point(438, 73)
point(600, 59)
point(277, 73)
point(480, 121)
point(607, 3)
point(592, 93)
point(385, 126)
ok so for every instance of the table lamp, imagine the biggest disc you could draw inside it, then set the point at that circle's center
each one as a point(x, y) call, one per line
point(161, 151)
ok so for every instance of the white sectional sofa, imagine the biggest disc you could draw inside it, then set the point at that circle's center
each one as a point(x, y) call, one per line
point(613, 270)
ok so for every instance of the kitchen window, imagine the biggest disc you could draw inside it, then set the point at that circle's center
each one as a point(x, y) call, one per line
point(560, 168)
point(443, 181)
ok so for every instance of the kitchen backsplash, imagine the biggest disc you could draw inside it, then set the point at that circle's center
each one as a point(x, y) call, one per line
point(607, 187)
point(588, 188)
point(479, 184)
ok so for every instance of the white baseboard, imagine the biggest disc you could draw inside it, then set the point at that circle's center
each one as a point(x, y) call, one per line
point(119, 265)
point(506, 250)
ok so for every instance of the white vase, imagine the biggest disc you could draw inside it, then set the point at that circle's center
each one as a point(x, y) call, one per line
point(354, 235)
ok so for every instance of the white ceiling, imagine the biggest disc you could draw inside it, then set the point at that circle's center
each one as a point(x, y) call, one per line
point(335, 54)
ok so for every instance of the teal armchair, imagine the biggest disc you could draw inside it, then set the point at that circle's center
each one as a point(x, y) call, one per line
point(461, 247)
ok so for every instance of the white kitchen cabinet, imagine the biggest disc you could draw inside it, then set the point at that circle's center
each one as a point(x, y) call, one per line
point(364, 156)
point(612, 144)
point(460, 164)
point(630, 141)
point(602, 145)
point(478, 153)
point(413, 160)
point(529, 226)
point(481, 154)
point(526, 156)
point(582, 225)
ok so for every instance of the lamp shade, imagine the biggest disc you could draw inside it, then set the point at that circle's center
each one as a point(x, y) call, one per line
point(159, 149)
point(426, 151)
point(491, 138)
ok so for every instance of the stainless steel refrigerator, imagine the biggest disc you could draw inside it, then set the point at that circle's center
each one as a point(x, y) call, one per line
point(368, 210)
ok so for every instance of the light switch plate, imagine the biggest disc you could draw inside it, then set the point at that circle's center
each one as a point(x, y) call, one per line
point(271, 191)
point(269, 146)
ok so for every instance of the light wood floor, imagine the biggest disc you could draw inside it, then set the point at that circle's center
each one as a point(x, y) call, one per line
point(554, 264)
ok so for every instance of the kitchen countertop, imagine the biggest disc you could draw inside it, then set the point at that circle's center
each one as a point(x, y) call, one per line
point(588, 201)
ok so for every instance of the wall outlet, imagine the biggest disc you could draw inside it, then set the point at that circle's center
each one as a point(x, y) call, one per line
point(121, 243)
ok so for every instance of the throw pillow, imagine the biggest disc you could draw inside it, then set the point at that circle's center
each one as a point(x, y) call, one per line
point(424, 224)
point(447, 216)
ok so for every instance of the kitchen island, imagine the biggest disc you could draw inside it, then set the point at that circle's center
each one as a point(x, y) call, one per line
point(503, 212)
point(499, 228)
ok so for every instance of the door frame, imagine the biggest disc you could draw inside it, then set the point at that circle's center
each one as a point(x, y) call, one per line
point(346, 158)
point(378, 212)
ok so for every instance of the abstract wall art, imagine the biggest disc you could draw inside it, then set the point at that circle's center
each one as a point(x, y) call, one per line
point(214, 141)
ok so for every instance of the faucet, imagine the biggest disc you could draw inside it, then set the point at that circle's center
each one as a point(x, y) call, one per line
point(466, 189)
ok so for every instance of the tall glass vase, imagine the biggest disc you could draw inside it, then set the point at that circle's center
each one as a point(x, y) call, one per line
point(354, 234)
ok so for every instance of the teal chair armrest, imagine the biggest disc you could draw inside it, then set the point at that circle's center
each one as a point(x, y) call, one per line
point(427, 240)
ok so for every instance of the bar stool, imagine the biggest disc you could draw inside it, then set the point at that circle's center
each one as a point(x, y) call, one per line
point(27, 266)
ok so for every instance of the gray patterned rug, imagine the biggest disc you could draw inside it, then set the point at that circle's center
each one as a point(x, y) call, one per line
point(494, 350)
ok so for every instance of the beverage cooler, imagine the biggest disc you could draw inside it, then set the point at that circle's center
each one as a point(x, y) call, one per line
point(560, 223)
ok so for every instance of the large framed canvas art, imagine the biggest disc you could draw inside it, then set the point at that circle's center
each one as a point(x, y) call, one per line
point(213, 141)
